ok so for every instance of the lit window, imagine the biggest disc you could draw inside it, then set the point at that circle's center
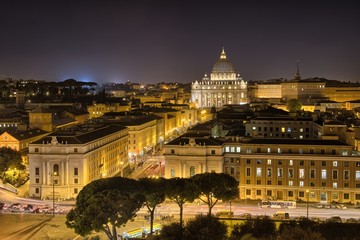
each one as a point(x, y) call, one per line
point(269, 161)
point(301, 183)
point(323, 173)
point(301, 173)
point(335, 163)
point(291, 162)
point(291, 183)
point(258, 172)
point(357, 175)
point(335, 185)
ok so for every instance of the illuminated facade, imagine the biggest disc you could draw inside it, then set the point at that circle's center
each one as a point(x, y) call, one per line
point(73, 158)
point(222, 87)
point(273, 168)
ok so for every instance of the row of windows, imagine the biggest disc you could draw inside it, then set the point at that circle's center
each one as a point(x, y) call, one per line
point(237, 149)
point(56, 170)
point(37, 190)
point(282, 129)
point(291, 162)
point(292, 183)
point(312, 173)
point(290, 193)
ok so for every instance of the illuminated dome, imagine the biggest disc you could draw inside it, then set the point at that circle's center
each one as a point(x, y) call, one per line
point(223, 65)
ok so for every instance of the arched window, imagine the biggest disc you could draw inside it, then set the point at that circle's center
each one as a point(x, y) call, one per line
point(56, 169)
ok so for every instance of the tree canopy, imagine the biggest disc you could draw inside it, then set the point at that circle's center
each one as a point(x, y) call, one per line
point(216, 186)
point(104, 205)
point(294, 105)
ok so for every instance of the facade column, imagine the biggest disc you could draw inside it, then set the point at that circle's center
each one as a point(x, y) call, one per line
point(47, 173)
point(67, 172)
point(62, 173)
point(44, 172)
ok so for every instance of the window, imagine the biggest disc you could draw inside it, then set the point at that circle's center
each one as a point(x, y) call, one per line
point(357, 185)
point(301, 194)
point(346, 164)
point(268, 182)
point(311, 151)
point(37, 180)
point(346, 196)
point(238, 149)
point(357, 164)
point(346, 174)
point(312, 163)
point(172, 173)
point(312, 184)
point(37, 171)
point(227, 149)
point(291, 183)
point(76, 171)
point(279, 183)
point(248, 181)
point(248, 192)
point(269, 150)
point(335, 185)
point(268, 193)
point(335, 163)
point(269, 172)
point(258, 192)
point(322, 151)
point(258, 182)
point(172, 151)
point(258, 150)
point(56, 169)
point(301, 162)
point(346, 185)
point(213, 152)
point(301, 183)
point(290, 193)
point(323, 173)
point(76, 181)
point(279, 172)
point(312, 173)
point(291, 162)
point(357, 175)
point(335, 174)
point(323, 184)
point(232, 149)
point(75, 150)
point(248, 172)
point(279, 162)
point(323, 163)
point(258, 172)
point(192, 171)
point(248, 161)
point(301, 173)
point(75, 190)
point(258, 161)
point(333, 152)
point(36, 150)
point(290, 172)
point(37, 190)
point(269, 161)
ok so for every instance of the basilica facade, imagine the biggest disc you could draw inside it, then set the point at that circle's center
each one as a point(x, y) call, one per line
point(223, 86)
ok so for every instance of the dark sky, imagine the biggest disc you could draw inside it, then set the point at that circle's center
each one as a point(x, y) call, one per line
point(177, 41)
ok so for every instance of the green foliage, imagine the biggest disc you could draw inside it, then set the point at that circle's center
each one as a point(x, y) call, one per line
point(171, 232)
point(10, 158)
point(294, 105)
point(181, 190)
point(258, 228)
point(205, 227)
point(153, 189)
point(105, 204)
point(297, 232)
point(216, 186)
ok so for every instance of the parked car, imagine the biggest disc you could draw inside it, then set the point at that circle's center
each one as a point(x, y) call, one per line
point(245, 216)
point(225, 214)
point(334, 219)
point(341, 206)
point(281, 216)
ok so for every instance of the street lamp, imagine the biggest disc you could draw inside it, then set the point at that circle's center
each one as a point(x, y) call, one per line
point(160, 173)
point(53, 184)
point(307, 203)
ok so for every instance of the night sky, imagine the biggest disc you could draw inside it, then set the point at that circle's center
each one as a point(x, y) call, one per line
point(177, 41)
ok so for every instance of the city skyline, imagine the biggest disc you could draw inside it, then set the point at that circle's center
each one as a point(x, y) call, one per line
point(178, 41)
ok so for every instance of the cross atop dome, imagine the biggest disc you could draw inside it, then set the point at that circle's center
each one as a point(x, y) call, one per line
point(223, 55)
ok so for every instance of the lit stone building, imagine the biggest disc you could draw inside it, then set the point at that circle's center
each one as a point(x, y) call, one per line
point(272, 168)
point(280, 127)
point(222, 87)
point(68, 160)
point(98, 109)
